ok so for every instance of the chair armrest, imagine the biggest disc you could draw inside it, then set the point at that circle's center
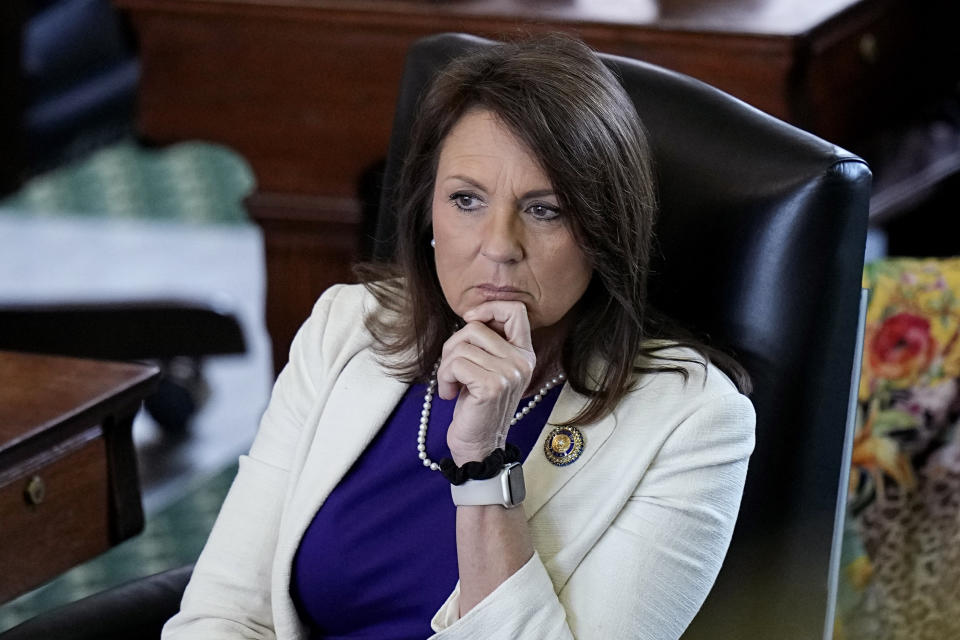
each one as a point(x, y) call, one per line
point(136, 609)
point(158, 329)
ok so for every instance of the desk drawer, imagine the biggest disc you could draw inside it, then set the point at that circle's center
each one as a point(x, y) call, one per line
point(53, 512)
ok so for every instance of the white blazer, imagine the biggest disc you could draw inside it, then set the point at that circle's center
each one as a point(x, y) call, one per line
point(628, 539)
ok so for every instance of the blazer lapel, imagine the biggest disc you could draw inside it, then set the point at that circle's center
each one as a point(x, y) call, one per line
point(542, 478)
point(360, 402)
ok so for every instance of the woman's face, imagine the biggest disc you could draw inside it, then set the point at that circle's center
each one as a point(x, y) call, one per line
point(500, 233)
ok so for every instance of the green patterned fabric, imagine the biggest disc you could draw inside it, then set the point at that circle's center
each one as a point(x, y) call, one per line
point(190, 182)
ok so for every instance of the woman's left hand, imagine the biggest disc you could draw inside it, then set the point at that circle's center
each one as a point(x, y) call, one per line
point(489, 363)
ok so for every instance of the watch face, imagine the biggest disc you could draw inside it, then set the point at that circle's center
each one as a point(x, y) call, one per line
point(518, 490)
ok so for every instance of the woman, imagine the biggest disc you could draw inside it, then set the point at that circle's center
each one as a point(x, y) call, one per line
point(513, 327)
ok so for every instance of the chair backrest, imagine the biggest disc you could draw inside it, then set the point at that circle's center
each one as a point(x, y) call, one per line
point(761, 237)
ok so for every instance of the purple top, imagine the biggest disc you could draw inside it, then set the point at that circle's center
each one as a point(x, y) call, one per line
point(380, 557)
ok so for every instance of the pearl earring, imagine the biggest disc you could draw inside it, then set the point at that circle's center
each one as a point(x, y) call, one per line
point(433, 243)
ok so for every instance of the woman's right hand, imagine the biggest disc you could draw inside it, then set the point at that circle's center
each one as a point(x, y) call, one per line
point(488, 364)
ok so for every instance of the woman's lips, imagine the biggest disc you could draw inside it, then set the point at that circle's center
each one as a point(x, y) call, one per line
point(494, 292)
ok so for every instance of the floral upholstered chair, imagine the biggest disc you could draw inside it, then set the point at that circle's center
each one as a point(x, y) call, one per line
point(901, 553)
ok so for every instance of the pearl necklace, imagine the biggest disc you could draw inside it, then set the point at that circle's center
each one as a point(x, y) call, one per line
point(428, 401)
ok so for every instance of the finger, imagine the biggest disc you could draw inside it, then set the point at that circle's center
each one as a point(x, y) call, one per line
point(481, 335)
point(488, 376)
point(459, 373)
point(511, 314)
point(448, 388)
point(449, 384)
point(491, 351)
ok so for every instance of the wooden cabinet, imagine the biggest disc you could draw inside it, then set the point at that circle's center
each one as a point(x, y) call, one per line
point(68, 476)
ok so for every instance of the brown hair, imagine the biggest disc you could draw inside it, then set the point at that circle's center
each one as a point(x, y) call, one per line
point(557, 96)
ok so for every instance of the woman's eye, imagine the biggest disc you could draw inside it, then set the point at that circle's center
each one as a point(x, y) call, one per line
point(544, 211)
point(466, 201)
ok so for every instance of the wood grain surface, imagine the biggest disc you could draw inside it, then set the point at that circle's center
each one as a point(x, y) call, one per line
point(68, 475)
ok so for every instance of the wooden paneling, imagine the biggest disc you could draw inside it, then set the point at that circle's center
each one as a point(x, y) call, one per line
point(310, 244)
point(856, 81)
point(309, 109)
point(305, 89)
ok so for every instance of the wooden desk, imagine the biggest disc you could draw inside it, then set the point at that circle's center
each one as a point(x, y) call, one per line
point(68, 472)
point(305, 89)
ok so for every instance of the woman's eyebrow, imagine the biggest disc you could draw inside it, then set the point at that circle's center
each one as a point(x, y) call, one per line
point(468, 180)
point(536, 193)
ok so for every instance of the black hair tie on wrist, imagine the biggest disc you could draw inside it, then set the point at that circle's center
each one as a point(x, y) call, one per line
point(480, 470)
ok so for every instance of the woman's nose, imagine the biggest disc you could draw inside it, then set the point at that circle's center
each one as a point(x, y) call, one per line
point(501, 240)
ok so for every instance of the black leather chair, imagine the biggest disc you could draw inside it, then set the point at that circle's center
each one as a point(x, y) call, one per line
point(136, 610)
point(761, 241)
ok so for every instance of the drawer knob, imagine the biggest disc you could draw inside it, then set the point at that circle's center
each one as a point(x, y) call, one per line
point(36, 490)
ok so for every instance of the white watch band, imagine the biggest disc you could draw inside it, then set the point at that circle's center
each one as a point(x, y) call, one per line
point(506, 488)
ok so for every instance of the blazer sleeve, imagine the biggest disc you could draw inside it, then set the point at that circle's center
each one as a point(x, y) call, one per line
point(229, 592)
point(649, 572)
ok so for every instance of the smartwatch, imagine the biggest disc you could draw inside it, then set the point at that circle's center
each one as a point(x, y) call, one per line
point(506, 489)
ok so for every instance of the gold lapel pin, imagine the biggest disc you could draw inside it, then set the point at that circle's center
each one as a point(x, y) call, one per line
point(563, 445)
